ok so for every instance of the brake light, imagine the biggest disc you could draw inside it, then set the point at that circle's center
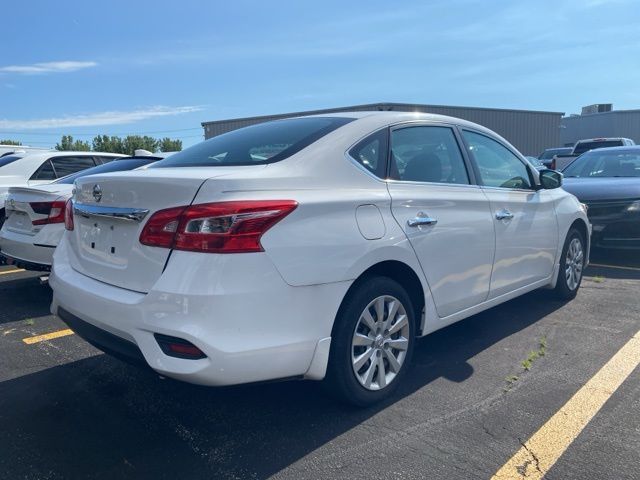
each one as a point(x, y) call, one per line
point(53, 210)
point(68, 215)
point(225, 227)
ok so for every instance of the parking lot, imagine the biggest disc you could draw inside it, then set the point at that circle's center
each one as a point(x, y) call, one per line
point(478, 391)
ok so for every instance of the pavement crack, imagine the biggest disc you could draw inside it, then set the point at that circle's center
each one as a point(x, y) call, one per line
point(536, 461)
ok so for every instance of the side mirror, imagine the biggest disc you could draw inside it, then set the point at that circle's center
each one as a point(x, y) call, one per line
point(550, 179)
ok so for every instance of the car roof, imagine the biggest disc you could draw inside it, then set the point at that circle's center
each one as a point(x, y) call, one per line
point(621, 149)
point(602, 139)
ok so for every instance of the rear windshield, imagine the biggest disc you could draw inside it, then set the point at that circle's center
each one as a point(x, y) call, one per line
point(255, 145)
point(549, 154)
point(7, 159)
point(602, 163)
point(586, 146)
point(115, 166)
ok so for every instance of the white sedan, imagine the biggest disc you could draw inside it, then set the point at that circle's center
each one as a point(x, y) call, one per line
point(314, 247)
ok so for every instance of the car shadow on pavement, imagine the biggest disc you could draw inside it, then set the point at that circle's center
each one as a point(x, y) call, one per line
point(101, 418)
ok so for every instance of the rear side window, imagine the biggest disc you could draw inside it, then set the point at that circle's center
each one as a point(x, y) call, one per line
point(371, 153)
point(426, 154)
point(255, 145)
point(67, 165)
point(7, 159)
point(119, 166)
point(45, 172)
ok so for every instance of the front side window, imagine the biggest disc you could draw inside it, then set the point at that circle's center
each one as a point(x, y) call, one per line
point(45, 172)
point(259, 144)
point(498, 166)
point(67, 165)
point(426, 154)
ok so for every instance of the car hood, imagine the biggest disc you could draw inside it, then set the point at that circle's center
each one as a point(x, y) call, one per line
point(594, 189)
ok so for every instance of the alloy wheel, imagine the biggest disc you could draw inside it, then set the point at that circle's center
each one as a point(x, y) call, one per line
point(574, 263)
point(380, 342)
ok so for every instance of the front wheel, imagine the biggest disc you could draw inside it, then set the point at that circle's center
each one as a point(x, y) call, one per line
point(372, 342)
point(571, 266)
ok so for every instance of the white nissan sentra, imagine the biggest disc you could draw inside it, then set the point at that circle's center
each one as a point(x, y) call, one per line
point(314, 247)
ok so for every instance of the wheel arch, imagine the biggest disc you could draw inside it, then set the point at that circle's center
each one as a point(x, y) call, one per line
point(402, 273)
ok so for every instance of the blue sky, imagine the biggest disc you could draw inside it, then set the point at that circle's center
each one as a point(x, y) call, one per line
point(162, 67)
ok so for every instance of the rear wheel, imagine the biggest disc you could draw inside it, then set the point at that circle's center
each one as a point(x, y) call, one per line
point(571, 266)
point(372, 342)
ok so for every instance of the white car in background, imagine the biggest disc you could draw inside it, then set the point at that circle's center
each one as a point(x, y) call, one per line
point(29, 169)
point(35, 215)
point(314, 247)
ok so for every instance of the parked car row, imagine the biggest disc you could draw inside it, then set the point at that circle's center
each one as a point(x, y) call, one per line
point(316, 247)
point(35, 214)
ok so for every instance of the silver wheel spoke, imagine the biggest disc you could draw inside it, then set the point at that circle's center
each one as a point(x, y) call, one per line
point(362, 359)
point(379, 310)
point(368, 320)
point(393, 310)
point(399, 325)
point(368, 376)
point(399, 344)
point(360, 340)
point(382, 373)
point(393, 362)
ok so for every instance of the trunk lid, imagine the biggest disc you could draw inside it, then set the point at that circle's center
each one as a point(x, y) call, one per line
point(20, 212)
point(108, 249)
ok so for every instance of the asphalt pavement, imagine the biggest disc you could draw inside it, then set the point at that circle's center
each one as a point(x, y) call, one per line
point(470, 403)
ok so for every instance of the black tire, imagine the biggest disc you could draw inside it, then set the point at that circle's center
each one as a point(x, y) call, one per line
point(564, 290)
point(341, 381)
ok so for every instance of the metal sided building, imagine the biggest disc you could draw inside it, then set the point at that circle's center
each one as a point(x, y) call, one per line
point(612, 123)
point(529, 131)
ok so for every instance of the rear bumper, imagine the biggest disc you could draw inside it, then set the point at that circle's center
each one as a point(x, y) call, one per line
point(34, 252)
point(251, 325)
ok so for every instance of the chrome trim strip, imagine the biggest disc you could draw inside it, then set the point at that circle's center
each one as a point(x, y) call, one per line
point(119, 213)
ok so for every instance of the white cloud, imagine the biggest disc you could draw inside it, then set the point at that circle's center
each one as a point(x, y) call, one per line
point(100, 118)
point(47, 67)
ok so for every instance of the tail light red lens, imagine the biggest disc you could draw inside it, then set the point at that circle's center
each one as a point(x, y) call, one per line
point(68, 215)
point(53, 210)
point(225, 227)
point(553, 164)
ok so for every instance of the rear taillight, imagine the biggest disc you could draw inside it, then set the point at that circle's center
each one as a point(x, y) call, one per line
point(225, 227)
point(53, 210)
point(553, 164)
point(68, 215)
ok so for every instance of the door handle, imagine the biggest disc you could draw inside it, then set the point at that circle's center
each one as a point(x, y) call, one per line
point(504, 214)
point(421, 219)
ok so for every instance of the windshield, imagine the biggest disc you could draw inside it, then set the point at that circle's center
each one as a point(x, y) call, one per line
point(549, 154)
point(7, 159)
point(115, 166)
point(605, 164)
point(586, 146)
point(256, 145)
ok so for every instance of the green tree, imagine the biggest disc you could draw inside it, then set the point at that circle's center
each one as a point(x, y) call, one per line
point(134, 142)
point(68, 144)
point(170, 145)
point(108, 144)
point(10, 142)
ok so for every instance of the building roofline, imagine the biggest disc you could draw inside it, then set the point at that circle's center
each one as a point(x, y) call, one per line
point(595, 114)
point(381, 106)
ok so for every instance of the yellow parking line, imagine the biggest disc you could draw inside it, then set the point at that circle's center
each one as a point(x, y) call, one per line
point(47, 336)
point(15, 270)
point(546, 446)
point(614, 266)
